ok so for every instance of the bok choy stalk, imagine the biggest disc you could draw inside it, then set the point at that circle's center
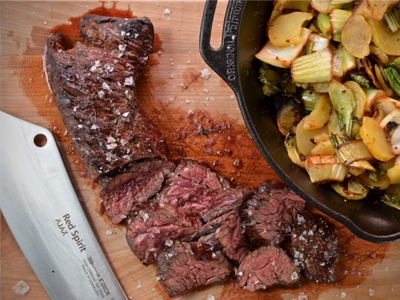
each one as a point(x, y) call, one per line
point(392, 19)
point(392, 73)
point(270, 79)
point(361, 80)
point(344, 102)
point(293, 152)
point(351, 189)
point(349, 152)
point(391, 200)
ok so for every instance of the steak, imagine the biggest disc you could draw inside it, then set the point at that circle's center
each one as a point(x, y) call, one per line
point(154, 227)
point(227, 200)
point(270, 213)
point(225, 233)
point(198, 191)
point(94, 91)
point(314, 247)
point(131, 39)
point(185, 266)
point(138, 183)
point(266, 267)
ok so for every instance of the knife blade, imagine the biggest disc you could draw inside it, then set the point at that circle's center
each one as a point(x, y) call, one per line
point(45, 216)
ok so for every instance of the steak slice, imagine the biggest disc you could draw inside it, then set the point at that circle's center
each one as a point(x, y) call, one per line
point(152, 228)
point(225, 233)
point(141, 181)
point(314, 247)
point(266, 267)
point(93, 90)
point(270, 213)
point(185, 266)
point(131, 39)
point(198, 191)
point(227, 200)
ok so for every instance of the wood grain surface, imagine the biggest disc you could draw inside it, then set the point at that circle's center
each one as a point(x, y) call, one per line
point(199, 118)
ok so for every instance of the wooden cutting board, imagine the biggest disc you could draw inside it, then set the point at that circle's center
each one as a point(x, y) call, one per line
point(199, 118)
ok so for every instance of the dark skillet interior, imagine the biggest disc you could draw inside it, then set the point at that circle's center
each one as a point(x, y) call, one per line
point(368, 219)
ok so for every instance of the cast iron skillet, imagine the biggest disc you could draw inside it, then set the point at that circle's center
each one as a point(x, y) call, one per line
point(244, 34)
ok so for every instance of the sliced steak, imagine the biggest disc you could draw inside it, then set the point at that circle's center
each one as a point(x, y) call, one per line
point(185, 266)
point(270, 213)
point(93, 90)
point(198, 191)
point(138, 183)
point(131, 39)
point(267, 267)
point(152, 228)
point(314, 247)
point(225, 233)
point(227, 200)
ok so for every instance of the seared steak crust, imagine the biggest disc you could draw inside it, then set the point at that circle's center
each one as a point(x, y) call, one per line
point(131, 39)
point(314, 247)
point(185, 266)
point(93, 90)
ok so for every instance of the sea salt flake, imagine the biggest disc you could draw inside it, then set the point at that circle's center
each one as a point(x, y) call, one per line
point(101, 94)
point(206, 74)
point(139, 285)
point(136, 35)
point(122, 47)
point(123, 33)
point(125, 114)
point(21, 288)
point(105, 86)
point(167, 11)
point(210, 297)
point(110, 139)
point(240, 273)
point(169, 243)
point(294, 276)
point(111, 146)
point(97, 63)
point(371, 292)
point(128, 81)
point(109, 232)
point(343, 295)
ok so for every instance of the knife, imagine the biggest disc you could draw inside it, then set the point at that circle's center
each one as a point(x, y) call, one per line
point(43, 212)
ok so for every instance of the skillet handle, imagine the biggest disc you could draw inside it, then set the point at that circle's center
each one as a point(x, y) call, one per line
point(225, 59)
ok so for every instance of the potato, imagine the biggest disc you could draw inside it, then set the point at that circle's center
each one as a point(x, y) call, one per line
point(285, 30)
point(280, 5)
point(320, 115)
point(304, 138)
point(356, 36)
point(374, 9)
point(282, 57)
point(322, 6)
point(375, 140)
point(394, 174)
point(384, 39)
point(324, 148)
point(288, 117)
